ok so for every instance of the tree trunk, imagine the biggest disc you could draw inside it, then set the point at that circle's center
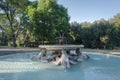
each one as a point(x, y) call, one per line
point(42, 40)
point(14, 41)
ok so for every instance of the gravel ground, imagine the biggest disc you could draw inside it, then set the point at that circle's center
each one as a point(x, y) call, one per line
point(18, 50)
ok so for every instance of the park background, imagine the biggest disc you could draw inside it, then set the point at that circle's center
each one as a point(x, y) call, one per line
point(31, 23)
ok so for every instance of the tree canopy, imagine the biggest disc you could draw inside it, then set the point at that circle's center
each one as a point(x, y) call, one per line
point(48, 18)
point(12, 9)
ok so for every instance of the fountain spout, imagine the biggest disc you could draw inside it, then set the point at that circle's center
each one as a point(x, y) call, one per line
point(61, 39)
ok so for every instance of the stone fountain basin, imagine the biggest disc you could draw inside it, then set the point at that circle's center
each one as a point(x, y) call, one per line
point(60, 47)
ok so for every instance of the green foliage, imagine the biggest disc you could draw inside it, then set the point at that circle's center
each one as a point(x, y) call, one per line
point(75, 31)
point(99, 34)
point(47, 19)
point(114, 32)
point(12, 9)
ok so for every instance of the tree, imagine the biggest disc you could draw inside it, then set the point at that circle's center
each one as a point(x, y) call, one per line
point(13, 10)
point(47, 19)
point(100, 33)
point(114, 34)
point(86, 34)
point(75, 32)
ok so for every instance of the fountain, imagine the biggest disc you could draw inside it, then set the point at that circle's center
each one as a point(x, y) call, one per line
point(62, 47)
point(20, 67)
point(61, 41)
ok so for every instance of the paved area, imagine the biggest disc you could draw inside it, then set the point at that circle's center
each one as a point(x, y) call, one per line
point(19, 49)
point(6, 51)
point(103, 51)
point(15, 50)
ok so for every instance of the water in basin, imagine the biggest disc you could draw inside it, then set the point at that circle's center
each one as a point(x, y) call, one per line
point(98, 67)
